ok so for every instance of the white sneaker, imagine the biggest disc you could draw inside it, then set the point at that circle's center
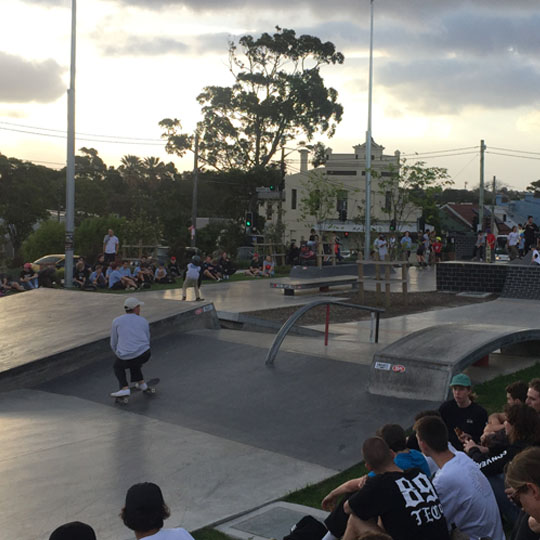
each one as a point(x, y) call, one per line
point(142, 386)
point(121, 393)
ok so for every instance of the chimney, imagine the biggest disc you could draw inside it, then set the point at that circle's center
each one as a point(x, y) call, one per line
point(304, 152)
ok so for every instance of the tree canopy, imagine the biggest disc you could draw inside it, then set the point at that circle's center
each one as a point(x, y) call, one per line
point(278, 95)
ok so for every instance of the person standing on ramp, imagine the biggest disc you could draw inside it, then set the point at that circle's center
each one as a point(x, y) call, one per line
point(130, 342)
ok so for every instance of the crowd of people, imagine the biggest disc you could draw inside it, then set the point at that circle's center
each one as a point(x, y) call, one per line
point(461, 474)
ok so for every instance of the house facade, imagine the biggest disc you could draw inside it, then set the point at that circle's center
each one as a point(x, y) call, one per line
point(347, 173)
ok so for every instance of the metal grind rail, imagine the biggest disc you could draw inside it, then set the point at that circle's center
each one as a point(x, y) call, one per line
point(290, 322)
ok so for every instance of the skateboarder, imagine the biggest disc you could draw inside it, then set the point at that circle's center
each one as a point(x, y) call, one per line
point(130, 341)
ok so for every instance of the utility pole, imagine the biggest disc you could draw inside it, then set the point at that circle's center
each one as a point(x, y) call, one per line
point(195, 189)
point(481, 191)
point(70, 169)
point(367, 226)
point(493, 201)
point(280, 200)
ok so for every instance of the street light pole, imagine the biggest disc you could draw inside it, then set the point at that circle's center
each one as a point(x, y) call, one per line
point(70, 169)
point(367, 226)
point(195, 191)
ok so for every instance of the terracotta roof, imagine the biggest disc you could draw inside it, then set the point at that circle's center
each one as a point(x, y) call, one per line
point(465, 211)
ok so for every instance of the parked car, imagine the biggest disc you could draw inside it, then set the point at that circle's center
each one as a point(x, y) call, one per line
point(501, 251)
point(57, 260)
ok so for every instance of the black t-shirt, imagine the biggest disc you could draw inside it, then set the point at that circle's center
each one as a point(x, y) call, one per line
point(407, 504)
point(530, 231)
point(521, 530)
point(471, 420)
point(255, 263)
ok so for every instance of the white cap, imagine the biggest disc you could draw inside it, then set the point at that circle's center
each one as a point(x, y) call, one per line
point(131, 303)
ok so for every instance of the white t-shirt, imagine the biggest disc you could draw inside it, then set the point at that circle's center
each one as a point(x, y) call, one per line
point(467, 498)
point(171, 534)
point(536, 256)
point(380, 245)
point(110, 243)
point(513, 239)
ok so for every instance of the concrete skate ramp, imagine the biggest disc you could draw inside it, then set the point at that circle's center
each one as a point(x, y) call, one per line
point(421, 365)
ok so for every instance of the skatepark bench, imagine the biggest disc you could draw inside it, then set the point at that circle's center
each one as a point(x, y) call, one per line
point(290, 285)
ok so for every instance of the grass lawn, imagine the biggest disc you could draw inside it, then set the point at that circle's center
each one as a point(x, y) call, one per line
point(491, 395)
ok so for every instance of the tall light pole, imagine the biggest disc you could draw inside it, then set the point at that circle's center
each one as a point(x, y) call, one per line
point(70, 170)
point(367, 226)
point(195, 191)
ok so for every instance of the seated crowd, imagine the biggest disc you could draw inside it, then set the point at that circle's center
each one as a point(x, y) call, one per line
point(460, 475)
point(116, 275)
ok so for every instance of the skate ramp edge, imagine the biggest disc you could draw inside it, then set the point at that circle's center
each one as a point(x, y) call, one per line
point(57, 362)
point(422, 364)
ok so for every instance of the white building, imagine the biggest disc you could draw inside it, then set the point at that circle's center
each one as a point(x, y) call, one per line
point(348, 173)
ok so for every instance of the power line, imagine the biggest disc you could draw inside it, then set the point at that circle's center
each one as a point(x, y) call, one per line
point(515, 151)
point(439, 151)
point(512, 155)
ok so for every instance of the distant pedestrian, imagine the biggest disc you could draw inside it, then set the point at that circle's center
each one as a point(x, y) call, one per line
point(478, 253)
point(406, 245)
point(111, 245)
point(381, 247)
point(530, 234)
point(512, 243)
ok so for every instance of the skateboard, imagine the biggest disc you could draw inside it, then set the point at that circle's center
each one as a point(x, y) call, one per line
point(150, 391)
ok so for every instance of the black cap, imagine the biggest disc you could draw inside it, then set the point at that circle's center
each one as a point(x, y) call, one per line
point(73, 531)
point(145, 497)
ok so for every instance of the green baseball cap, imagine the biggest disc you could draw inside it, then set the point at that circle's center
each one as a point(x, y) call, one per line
point(460, 380)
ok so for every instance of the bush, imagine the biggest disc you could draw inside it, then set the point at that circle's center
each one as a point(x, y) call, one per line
point(90, 233)
point(49, 238)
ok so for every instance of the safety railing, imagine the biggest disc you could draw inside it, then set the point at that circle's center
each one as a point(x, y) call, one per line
point(289, 323)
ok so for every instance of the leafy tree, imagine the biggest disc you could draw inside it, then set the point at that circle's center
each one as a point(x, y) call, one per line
point(278, 95)
point(411, 187)
point(318, 202)
point(47, 239)
point(534, 186)
point(27, 193)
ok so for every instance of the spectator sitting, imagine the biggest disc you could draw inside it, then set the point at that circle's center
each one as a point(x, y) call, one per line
point(97, 279)
point(293, 254)
point(80, 274)
point(225, 266)
point(101, 261)
point(464, 418)
point(7, 284)
point(516, 392)
point(209, 269)
point(47, 277)
point(73, 531)
point(466, 496)
point(522, 428)
point(523, 481)
point(125, 269)
point(143, 273)
point(144, 512)
point(161, 275)
point(29, 278)
point(117, 281)
point(405, 501)
point(533, 394)
point(173, 269)
point(268, 267)
point(254, 266)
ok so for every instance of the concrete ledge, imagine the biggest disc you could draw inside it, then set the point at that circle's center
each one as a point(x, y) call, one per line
point(48, 367)
point(273, 521)
point(421, 365)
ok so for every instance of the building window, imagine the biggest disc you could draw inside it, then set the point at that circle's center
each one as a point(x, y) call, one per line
point(388, 201)
point(341, 198)
point(341, 173)
point(293, 199)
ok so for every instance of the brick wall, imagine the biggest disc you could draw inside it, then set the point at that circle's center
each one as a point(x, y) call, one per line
point(459, 276)
point(508, 280)
point(464, 246)
point(522, 282)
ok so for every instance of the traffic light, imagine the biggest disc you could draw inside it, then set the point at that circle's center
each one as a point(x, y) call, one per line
point(343, 215)
point(249, 220)
point(393, 225)
point(272, 188)
point(346, 234)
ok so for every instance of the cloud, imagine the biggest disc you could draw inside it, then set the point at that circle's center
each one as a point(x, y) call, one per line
point(447, 86)
point(135, 45)
point(25, 80)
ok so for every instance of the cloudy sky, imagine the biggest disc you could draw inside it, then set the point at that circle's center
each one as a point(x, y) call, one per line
point(447, 74)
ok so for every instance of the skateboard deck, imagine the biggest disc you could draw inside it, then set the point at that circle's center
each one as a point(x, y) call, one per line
point(150, 391)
